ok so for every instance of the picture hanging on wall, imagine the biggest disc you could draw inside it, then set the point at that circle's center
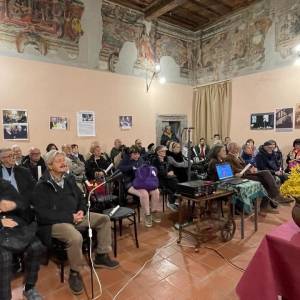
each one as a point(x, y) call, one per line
point(262, 121)
point(15, 124)
point(58, 123)
point(125, 122)
point(86, 123)
point(284, 119)
point(297, 116)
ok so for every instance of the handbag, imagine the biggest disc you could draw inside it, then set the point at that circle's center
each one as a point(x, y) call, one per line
point(18, 238)
point(146, 178)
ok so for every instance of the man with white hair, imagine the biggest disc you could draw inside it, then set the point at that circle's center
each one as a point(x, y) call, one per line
point(33, 161)
point(18, 154)
point(61, 208)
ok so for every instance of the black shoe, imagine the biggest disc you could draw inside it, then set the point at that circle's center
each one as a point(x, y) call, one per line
point(104, 261)
point(75, 283)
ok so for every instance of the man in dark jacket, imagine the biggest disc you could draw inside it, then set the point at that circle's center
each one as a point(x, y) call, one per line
point(168, 136)
point(33, 161)
point(12, 207)
point(266, 159)
point(61, 208)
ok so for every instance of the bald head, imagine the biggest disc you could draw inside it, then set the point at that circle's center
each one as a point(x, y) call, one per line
point(34, 154)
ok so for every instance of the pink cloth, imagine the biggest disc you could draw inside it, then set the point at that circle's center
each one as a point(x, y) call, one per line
point(273, 270)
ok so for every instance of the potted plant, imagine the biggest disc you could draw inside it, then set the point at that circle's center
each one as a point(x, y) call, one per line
point(291, 188)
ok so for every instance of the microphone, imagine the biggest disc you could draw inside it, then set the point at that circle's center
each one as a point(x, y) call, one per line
point(109, 168)
point(116, 175)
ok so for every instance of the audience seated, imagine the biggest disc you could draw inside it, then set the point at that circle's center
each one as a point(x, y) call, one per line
point(75, 152)
point(117, 149)
point(202, 149)
point(166, 176)
point(76, 167)
point(251, 143)
point(50, 147)
point(127, 166)
point(177, 161)
point(227, 140)
point(18, 154)
point(216, 156)
point(97, 163)
point(33, 160)
point(168, 136)
point(138, 143)
point(60, 207)
point(293, 158)
point(264, 176)
point(13, 225)
point(266, 159)
point(247, 154)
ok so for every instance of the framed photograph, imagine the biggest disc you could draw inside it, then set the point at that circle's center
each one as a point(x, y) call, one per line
point(262, 121)
point(125, 122)
point(58, 123)
point(297, 116)
point(15, 124)
point(86, 123)
point(284, 119)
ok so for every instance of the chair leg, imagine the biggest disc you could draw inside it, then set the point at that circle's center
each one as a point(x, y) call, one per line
point(62, 272)
point(135, 231)
point(120, 226)
point(115, 238)
point(163, 201)
point(139, 213)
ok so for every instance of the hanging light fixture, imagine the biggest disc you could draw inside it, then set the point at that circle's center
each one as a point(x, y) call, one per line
point(155, 73)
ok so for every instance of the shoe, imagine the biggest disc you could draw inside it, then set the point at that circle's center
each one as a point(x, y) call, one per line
point(75, 283)
point(172, 206)
point(156, 217)
point(282, 199)
point(148, 220)
point(104, 261)
point(269, 210)
point(32, 294)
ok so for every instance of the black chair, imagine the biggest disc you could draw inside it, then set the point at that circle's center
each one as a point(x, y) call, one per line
point(121, 214)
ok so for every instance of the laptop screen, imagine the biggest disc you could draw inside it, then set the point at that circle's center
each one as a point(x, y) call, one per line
point(224, 171)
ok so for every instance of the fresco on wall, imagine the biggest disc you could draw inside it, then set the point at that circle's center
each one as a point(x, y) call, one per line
point(122, 25)
point(238, 45)
point(287, 29)
point(42, 24)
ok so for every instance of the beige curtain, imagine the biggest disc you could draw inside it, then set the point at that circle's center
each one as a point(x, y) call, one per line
point(212, 111)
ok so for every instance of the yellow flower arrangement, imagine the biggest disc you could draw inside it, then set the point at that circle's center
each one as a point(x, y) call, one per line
point(291, 187)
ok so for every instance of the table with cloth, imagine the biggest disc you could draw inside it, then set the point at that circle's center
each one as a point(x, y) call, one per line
point(246, 195)
point(273, 271)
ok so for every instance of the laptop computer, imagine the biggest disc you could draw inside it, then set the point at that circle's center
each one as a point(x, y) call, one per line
point(225, 174)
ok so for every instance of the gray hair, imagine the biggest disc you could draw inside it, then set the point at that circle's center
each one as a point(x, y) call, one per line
point(50, 156)
point(3, 150)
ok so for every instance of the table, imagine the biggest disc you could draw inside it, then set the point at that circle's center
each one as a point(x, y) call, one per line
point(247, 194)
point(273, 271)
point(227, 231)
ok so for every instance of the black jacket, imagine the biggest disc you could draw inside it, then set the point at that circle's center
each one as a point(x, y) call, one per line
point(26, 184)
point(33, 168)
point(93, 165)
point(179, 164)
point(128, 166)
point(266, 161)
point(163, 167)
point(8, 192)
point(54, 205)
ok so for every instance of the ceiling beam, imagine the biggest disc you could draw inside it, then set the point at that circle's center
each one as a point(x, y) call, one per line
point(162, 7)
point(127, 4)
point(182, 23)
point(205, 7)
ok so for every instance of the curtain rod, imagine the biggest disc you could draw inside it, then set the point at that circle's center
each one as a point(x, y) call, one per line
point(214, 82)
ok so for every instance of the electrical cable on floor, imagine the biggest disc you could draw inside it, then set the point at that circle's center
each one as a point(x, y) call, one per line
point(142, 268)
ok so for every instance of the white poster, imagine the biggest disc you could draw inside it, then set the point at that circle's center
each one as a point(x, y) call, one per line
point(86, 123)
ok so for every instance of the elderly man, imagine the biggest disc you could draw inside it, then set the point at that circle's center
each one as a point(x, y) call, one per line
point(19, 177)
point(60, 208)
point(264, 177)
point(18, 154)
point(33, 161)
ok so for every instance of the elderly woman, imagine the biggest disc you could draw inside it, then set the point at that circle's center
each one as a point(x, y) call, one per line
point(128, 167)
point(97, 163)
point(61, 213)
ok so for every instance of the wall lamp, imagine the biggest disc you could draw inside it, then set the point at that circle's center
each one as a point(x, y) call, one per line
point(155, 73)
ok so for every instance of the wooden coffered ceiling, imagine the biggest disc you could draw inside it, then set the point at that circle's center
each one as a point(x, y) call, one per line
point(188, 14)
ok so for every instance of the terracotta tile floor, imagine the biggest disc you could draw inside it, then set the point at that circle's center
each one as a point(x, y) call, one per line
point(175, 272)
